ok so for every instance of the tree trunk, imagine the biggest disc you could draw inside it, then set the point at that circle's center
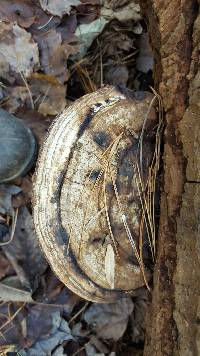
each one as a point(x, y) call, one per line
point(172, 325)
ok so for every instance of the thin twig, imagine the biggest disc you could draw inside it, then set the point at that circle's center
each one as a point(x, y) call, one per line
point(79, 312)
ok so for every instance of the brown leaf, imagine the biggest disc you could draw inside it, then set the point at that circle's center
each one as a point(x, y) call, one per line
point(67, 28)
point(23, 12)
point(47, 94)
point(109, 320)
point(20, 12)
point(25, 195)
point(110, 266)
point(5, 266)
point(37, 122)
point(24, 253)
point(46, 329)
point(117, 39)
point(54, 54)
point(12, 290)
point(16, 96)
point(18, 52)
point(88, 11)
point(54, 101)
point(58, 7)
point(121, 12)
point(55, 292)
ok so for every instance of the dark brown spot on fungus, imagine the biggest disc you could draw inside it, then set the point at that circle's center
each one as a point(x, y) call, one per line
point(102, 139)
point(85, 123)
point(94, 175)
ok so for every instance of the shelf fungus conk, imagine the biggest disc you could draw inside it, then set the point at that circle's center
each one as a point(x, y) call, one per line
point(89, 193)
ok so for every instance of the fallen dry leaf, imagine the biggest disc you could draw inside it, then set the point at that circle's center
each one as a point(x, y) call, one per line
point(6, 193)
point(86, 33)
point(48, 329)
point(48, 93)
point(117, 39)
point(121, 12)
point(54, 54)
point(23, 12)
point(20, 12)
point(109, 320)
point(54, 101)
point(18, 52)
point(24, 253)
point(25, 196)
point(48, 96)
point(52, 291)
point(10, 316)
point(12, 290)
point(36, 121)
point(5, 266)
point(58, 7)
point(88, 11)
point(16, 96)
point(110, 266)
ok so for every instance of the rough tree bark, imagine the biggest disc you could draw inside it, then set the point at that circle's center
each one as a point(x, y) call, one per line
point(172, 325)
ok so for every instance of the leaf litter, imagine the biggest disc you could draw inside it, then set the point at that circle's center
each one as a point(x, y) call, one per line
point(18, 51)
point(59, 7)
point(24, 253)
point(109, 320)
point(50, 54)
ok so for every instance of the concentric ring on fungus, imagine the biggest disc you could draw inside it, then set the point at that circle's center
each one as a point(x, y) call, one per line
point(88, 189)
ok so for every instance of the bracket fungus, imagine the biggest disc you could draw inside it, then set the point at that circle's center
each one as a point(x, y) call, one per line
point(91, 190)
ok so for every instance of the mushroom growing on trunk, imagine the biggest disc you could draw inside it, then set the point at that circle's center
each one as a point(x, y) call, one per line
point(93, 189)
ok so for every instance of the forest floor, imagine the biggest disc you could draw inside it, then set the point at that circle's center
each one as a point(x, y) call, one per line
point(51, 53)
